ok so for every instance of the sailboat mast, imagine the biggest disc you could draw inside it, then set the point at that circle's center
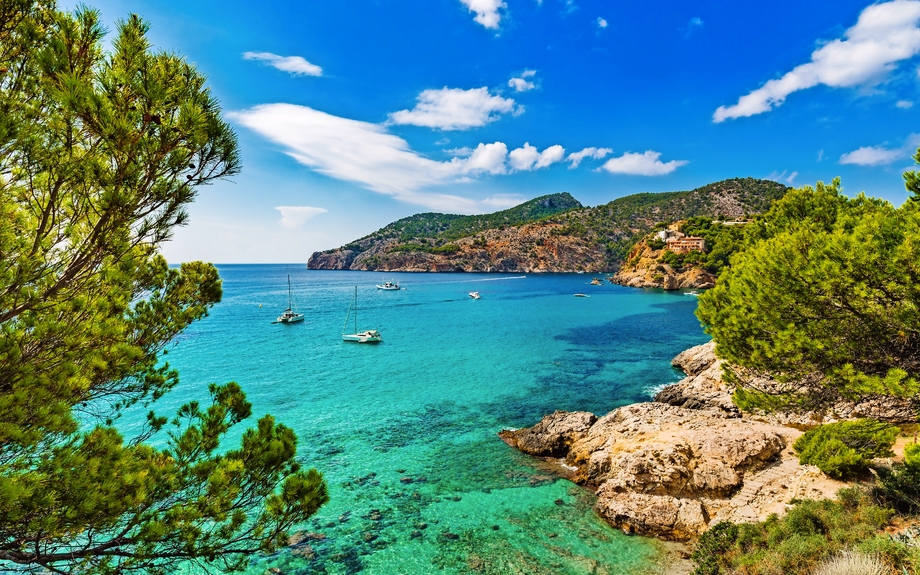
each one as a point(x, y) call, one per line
point(290, 295)
point(356, 309)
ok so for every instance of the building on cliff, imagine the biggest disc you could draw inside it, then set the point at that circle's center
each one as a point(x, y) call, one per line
point(686, 244)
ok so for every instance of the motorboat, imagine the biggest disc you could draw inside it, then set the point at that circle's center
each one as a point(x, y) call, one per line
point(366, 336)
point(595, 281)
point(474, 294)
point(289, 315)
point(389, 286)
point(581, 295)
point(693, 293)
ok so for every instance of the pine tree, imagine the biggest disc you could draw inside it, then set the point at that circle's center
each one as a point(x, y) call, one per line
point(100, 153)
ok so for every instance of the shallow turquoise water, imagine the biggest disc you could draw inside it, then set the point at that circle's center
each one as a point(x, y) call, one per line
point(405, 431)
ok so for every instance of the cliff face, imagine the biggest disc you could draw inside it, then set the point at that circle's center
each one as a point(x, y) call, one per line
point(552, 233)
point(646, 271)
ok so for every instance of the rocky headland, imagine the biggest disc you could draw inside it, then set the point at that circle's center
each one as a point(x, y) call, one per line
point(553, 233)
point(644, 270)
point(674, 466)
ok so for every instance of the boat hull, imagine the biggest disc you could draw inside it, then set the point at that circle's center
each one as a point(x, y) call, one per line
point(371, 336)
point(290, 319)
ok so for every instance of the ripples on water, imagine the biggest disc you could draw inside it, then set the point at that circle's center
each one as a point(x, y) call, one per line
point(405, 431)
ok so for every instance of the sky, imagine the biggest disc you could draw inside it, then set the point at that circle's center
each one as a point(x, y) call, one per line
point(351, 115)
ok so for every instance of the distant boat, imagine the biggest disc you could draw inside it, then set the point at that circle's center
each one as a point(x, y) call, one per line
point(474, 294)
point(366, 336)
point(289, 315)
point(694, 293)
point(581, 295)
point(390, 285)
point(595, 281)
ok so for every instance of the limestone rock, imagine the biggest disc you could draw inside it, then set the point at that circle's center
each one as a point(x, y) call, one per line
point(554, 435)
point(654, 464)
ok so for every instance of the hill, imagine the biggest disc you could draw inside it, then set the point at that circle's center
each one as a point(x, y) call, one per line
point(551, 233)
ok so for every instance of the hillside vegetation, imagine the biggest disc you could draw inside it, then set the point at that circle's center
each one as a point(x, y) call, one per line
point(551, 233)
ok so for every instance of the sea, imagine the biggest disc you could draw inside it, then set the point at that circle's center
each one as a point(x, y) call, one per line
point(405, 432)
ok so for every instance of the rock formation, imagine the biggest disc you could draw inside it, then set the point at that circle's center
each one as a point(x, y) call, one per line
point(672, 467)
point(703, 388)
point(643, 270)
point(670, 471)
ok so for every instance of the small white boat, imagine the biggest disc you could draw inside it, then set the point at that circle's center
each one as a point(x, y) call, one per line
point(366, 336)
point(389, 286)
point(474, 294)
point(289, 315)
point(595, 281)
point(581, 295)
point(694, 293)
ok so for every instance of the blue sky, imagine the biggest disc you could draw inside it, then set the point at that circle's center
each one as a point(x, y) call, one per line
point(353, 114)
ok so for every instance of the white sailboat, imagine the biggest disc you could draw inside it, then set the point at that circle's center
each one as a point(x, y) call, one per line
point(366, 336)
point(289, 315)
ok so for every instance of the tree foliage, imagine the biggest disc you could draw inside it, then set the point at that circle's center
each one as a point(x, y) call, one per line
point(846, 449)
point(99, 155)
point(826, 292)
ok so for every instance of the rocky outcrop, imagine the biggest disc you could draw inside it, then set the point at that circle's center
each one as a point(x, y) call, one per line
point(643, 270)
point(670, 471)
point(704, 388)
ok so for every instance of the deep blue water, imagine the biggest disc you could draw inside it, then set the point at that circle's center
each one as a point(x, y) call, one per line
point(426, 405)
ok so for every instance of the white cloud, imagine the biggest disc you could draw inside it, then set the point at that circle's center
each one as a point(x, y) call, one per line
point(871, 156)
point(645, 164)
point(368, 155)
point(486, 11)
point(880, 155)
point(601, 23)
point(486, 158)
point(522, 84)
point(884, 34)
point(455, 109)
point(294, 65)
point(820, 154)
point(294, 216)
point(904, 104)
point(503, 201)
point(576, 157)
point(528, 158)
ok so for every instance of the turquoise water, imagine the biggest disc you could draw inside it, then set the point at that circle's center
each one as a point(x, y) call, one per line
point(405, 431)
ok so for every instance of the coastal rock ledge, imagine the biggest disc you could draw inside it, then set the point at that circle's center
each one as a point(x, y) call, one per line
point(670, 471)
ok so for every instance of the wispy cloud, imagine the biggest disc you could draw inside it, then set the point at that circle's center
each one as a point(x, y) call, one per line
point(884, 35)
point(601, 23)
point(521, 83)
point(693, 24)
point(455, 109)
point(881, 155)
point(503, 201)
point(575, 158)
point(527, 158)
point(782, 177)
point(487, 11)
point(645, 164)
point(293, 65)
point(904, 104)
point(293, 217)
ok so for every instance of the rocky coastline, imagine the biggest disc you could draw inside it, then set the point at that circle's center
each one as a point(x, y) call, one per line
point(643, 270)
point(672, 467)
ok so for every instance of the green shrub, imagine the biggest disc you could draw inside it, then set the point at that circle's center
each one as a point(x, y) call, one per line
point(845, 449)
point(807, 536)
point(712, 544)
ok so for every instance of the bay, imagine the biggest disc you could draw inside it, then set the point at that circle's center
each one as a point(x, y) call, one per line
point(405, 432)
